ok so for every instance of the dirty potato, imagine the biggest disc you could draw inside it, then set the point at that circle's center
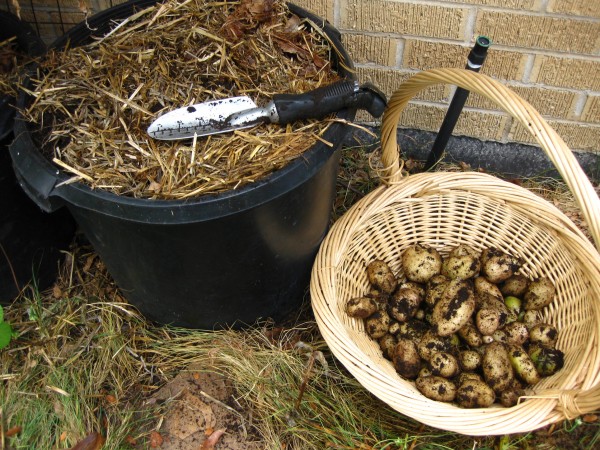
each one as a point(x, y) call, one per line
point(498, 266)
point(406, 358)
point(544, 334)
point(515, 285)
point(420, 263)
point(497, 369)
point(361, 307)
point(522, 364)
point(381, 276)
point(517, 333)
point(404, 304)
point(469, 360)
point(547, 361)
point(539, 294)
point(462, 263)
point(436, 388)
point(431, 343)
point(444, 364)
point(455, 308)
point(435, 288)
point(377, 324)
point(475, 394)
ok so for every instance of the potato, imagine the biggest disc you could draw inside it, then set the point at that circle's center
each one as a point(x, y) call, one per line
point(544, 334)
point(530, 318)
point(491, 302)
point(469, 360)
point(547, 361)
point(413, 329)
point(515, 285)
point(487, 321)
point(431, 343)
point(471, 335)
point(381, 276)
point(436, 388)
point(419, 287)
point(444, 364)
point(377, 324)
point(510, 397)
point(513, 306)
point(484, 288)
point(497, 266)
point(539, 294)
point(404, 303)
point(464, 376)
point(462, 263)
point(499, 336)
point(455, 307)
point(516, 333)
point(435, 289)
point(406, 358)
point(387, 342)
point(420, 263)
point(361, 307)
point(522, 364)
point(497, 369)
point(475, 394)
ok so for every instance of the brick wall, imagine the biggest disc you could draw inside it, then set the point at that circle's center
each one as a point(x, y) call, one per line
point(546, 50)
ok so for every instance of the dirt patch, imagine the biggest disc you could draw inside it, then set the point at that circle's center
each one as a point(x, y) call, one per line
point(203, 412)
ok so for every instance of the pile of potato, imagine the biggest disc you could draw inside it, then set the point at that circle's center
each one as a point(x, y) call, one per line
point(466, 327)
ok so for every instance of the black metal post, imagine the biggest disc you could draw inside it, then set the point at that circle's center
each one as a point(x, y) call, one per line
point(474, 63)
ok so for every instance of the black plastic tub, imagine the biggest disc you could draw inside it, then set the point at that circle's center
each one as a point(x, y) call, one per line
point(31, 240)
point(219, 260)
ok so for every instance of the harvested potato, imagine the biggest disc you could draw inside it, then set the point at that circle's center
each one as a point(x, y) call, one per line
point(464, 376)
point(431, 343)
point(419, 287)
point(539, 294)
point(497, 369)
point(381, 276)
point(498, 266)
point(387, 342)
point(547, 361)
point(469, 360)
point(484, 288)
point(361, 307)
point(413, 329)
point(513, 306)
point(522, 364)
point(436, 388)
point(544, 334)
point(435, 289)
point(420, 263)
point(444, 364)
point(406, 358)
point(530, 318)
point(510, 397)
point(499, 336)
point(515, 285)
point(377, 324)
point(404, 303)
point(517, 333)
point(487, 321)
point(455, 307)
point(475, 394)
point(462, 263)
point(471, 335)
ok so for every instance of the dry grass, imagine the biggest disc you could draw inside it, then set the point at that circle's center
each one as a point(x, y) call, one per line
point(92, 104)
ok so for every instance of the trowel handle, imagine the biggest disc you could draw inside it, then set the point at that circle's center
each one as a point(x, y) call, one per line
point(325, 100)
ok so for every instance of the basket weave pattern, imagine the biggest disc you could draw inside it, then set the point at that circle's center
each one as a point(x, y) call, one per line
point(446, 209)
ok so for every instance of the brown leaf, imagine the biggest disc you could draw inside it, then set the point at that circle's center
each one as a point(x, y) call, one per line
point(590, 418)
point(92, 441)
point(156, 440)
point(12, 431)
point(212, 440)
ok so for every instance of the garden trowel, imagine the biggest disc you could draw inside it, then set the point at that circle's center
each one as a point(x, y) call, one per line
point(224, 115)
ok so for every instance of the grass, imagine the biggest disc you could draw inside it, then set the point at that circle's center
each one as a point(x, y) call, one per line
point(85, 361)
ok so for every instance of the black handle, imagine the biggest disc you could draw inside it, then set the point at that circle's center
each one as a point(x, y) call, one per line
point(314, 104)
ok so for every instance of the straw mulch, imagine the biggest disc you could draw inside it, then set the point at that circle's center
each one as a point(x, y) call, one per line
point(93, 104)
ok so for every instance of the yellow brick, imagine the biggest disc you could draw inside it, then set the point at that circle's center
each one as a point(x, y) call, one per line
point(322, 8)
point(538, 31)
point(370, 49)
point(424, 55)
point(388, 80)
point(576, 136)
point(566, 72)
point(404, 18)
point(591, 110)
point(585, 8)
point(529, 5)
point(554, 103)
point(477, 124)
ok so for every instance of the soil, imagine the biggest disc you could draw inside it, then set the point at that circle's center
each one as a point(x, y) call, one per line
point(202, 413)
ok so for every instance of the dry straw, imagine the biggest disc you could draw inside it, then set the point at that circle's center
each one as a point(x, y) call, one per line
point(445, 209)
point(93, 104)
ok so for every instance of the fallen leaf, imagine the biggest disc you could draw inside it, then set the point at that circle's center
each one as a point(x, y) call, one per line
point(56, 291)
point(156, 440)
point(12, 431)
point(590, 418)
point(212, 440)
point(110, 399)
point(92, 441)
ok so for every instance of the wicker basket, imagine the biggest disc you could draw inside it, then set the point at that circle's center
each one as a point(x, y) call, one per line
point(443, 210)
